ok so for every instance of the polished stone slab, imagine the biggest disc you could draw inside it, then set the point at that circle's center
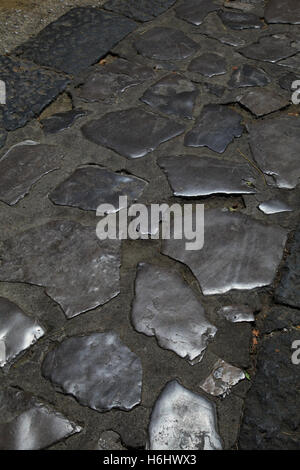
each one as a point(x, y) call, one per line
point(269, 49)
point(195, 11)
point(222, 378)
point(237, 313)
point(262, 102)
point(274, 206)
point(248, 75)
point(283, 12)
point(143, 10)
point(208, 64)
point(61, 121)
point(240, 20)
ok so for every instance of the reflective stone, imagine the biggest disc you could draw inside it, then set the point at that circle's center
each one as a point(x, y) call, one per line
point(240, 20)
point(23, 165)
point(60, 121)
point(165, 307)
point(143, 10)
point(239, 252)
point(283, 12)
point(165, 44)
point(291, 63)
point(269, 141)
point(222, 378)
point(195, 11)
point(78, 271)
point(237, 313)
point(98, 370)
point(18, 331)
point(262, 102)
point(88, 187)
point(173, 94)
point(215, 128)
point(192, 176)
point(269, 49)
point(214, 28)
point(208, 64)
point(248, 75)
point(133, 132)
point(274, 206)
point(28, 424)
point(183, 420)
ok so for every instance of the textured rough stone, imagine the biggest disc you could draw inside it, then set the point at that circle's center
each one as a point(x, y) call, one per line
point(283, 12)
point(208, 64)
point(248, 75)
point(195, 11)
point(222, 378)
point(133, 132)
point(237, 313)
point(238, 253)
point(280, 317)
point(214, 28)
point(61, 121)
point(269, 49)
point(78, 271)
point(110, 440)
point(3, 136)
point(215, 128)
point(77, 39)
point(183, 420)
point(262, 102)
point(287, 80)
point(217, 90)
point(143, 10)
point(291, 63)
point(98, 370)
point(240, 20)
point(274, 206)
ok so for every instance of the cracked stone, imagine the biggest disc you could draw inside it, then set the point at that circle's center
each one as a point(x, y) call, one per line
point(78, 271)
point(22, 166)
point(269, 49)
point(208, 64)
point(161, 297)
point(165, 44)
point(291, 63)
point(239, 253)
point(172, 95)
point(248, 75)
point(195, 11)
point(262, 102)
point(77, 39)
point(214, 28)
point(240, 20)
point(143, 10)
point(88, 187)
point(192, 176)
point(274, 206)
point(237, 313)
point(183, 420)
point(132, 132)
point(215, 128)
point(222, 378)
point(283, 12)
point(61, 121)
point(97, 369)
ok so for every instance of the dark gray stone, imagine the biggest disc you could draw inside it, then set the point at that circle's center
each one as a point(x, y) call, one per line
point(61, 121)
point(283, 12)
point(248, 75)
point(269, 49)
point(261, 102)
point(143, 10)
point(3, 136)
point(195, 11)
point(240, 20)
point(214, 89)
point(214, 28)
point(278, 318)
point(208, 64)
point(287, 80)
point(292, 63)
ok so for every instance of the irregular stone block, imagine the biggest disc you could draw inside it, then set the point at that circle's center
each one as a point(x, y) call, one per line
point(248, 75)
point(292, 63)
point(283, 12)
point(195, 11)
point(61, 121)
point(269, 49)
point(240, 20)
point(237, 313)
point(287, 80)
point(208, 64)
point(222, 378)
point(274, 206)
point(262, 102)
point(214, 28)
point(143, 10)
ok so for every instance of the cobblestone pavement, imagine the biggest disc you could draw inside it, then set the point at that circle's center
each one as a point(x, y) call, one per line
point(142, 344)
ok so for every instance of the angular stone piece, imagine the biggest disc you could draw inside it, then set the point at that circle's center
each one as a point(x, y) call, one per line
point(208, 64)
point(269, 49)
point(283, 12)
point(248, 75)
point(215, 128)
point(173, 95)
point(78, 271)
point(110, 440)
point(165, 44)
point(23, 165)
point(291, 63)
point(28, 424)
point(222, 378)
point(236, 313)
point(217, 90)
point(262, 102)
point(97, 369)
point(287, 80)
point(280, 317)
point(132, 132)
point(18, 331)
point(274, 206)
point(61, 121)
point(192, 176)
point(183, 420)
point(240, 20)
point(214, 28)
point(165, 307)
point(195, 11)
point(29, 89)
point(143, 10)
point(275, 147)
point(239, 253)
point(88, 187)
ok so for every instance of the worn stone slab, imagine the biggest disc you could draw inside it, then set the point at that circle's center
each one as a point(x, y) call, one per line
point(239, 252)
point(208, 64)
point(274, 206)
point(215, 128)
point(97, 369)
point(143, 10)
point(240, 20)
point(183, 420)
point(222, 378)
point(217, 90)
point(193, 176)
point(22, 166)
point(247, 75)
point(61, 121)
point(262, 102)
point(269, 49)
point(287, 80)
point(237, 313)
point(132, 132)
point(78, 271)
point(214, 28)
point(88, 187)
point(292, 63)
point(172, 95)
point(283, 12)
point(195, 11)
point(77, 39)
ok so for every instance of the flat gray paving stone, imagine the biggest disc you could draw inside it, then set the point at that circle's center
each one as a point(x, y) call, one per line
point(194, 176)
point(183, 420)
point(132, 132)
point(274, 206)
point(237, 313)
point(261, 102)
point(172, 95)
point(97, 369)
point(283, 12)
point(26, 423)
point(208, 64)
point(3, 136)
point(195, 11)
point(222, 378)
point(77, 39)
point(88, 187)
point(286, 81)
point(29, 89)
point(61, 121)
point(164, 306)
point(271, 139)
point(214, 89)
point(240, 20)
point(214, 28)
point(239, 253)
point(164, 43)
point(18, 331)
point(22, 166)
point(143, 10)
point(292, 63)
point(269, 49)
point(248, 75)
point(215, 128)
point(78, 271)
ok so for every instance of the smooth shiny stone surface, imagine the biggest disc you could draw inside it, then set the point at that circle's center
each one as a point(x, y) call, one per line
point(237, 313)
point(215, 128)
point(208, 64)
point(248, 75)
point(143, 10)
point(18, 331)
point(269, 141)
point(274, 206)
point(165, 307)
point(238, 253)
point(61, 121)
point(261, 102)
point(240, 20)
point(91, 186)
point(78, 271)
point(165, 44)
point(173, 95)
point(23, 165)
point(269, 49)
point(28, 424)
point(98, 370)
point(195, 11)
point(222, 378)
point(283, 12)
point(183, 420)
point(192, 175)
point(132, 133)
